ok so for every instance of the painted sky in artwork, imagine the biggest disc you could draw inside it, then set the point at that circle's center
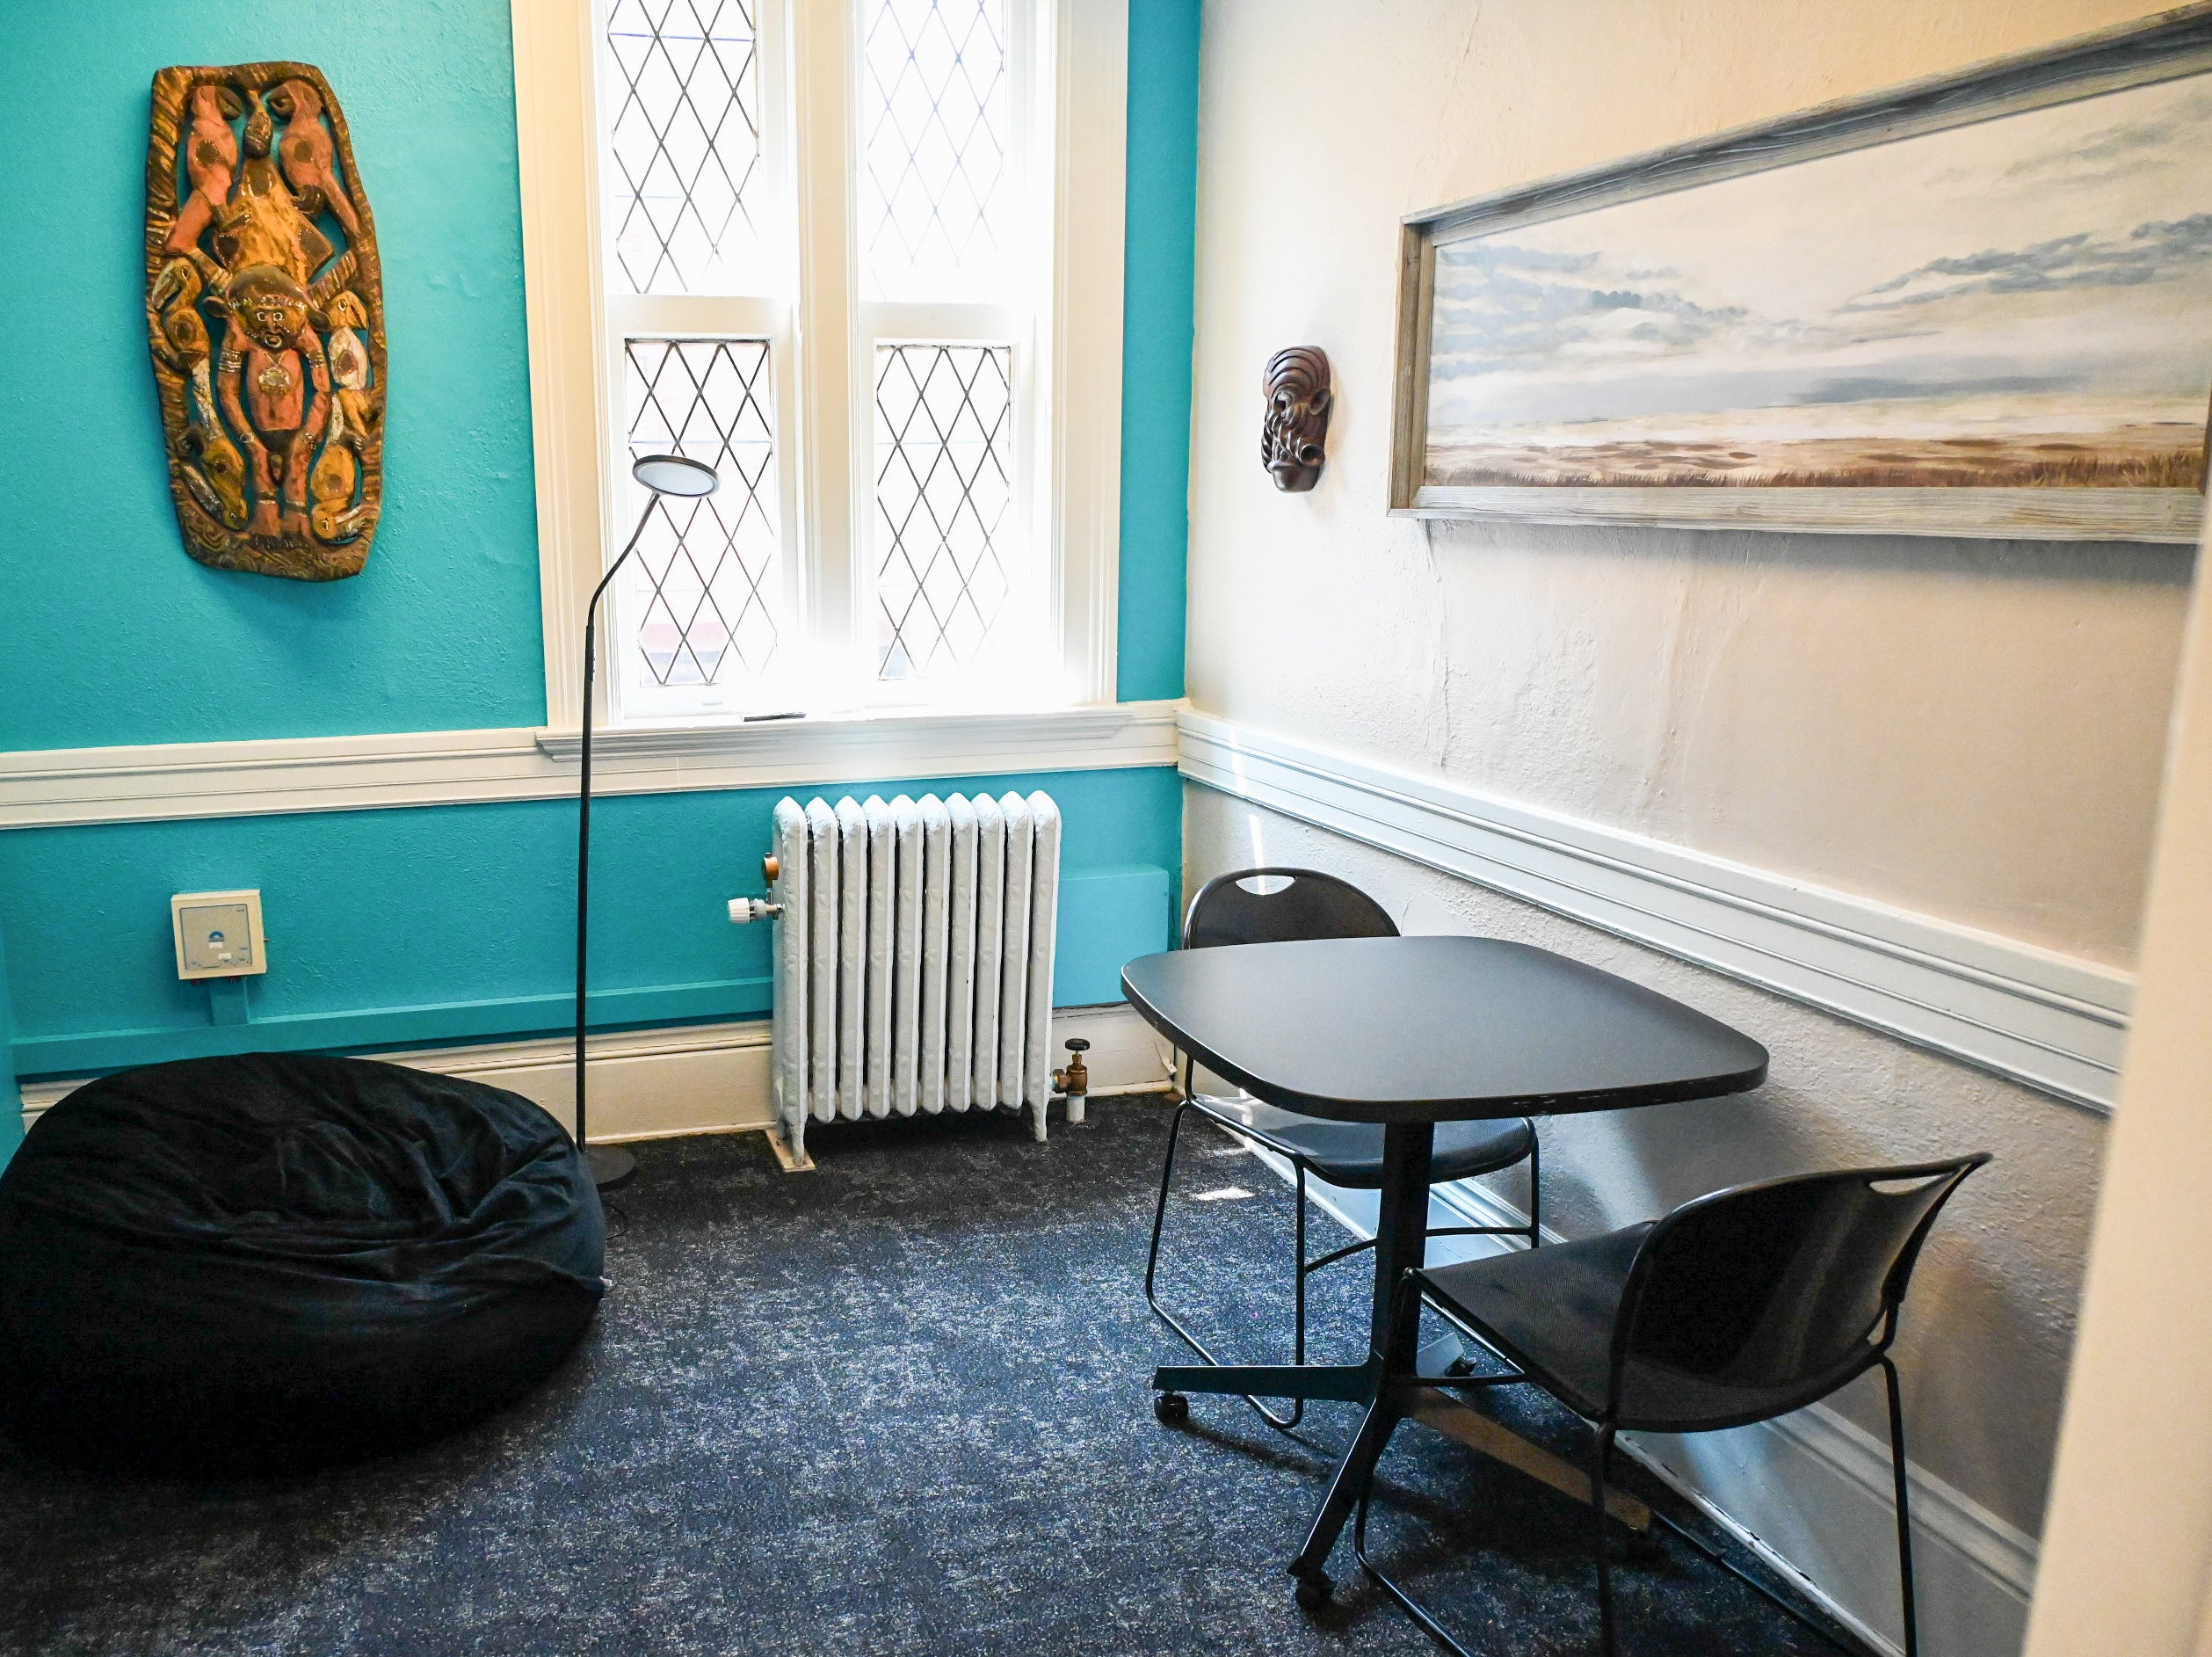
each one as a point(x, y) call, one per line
point(2048, 270)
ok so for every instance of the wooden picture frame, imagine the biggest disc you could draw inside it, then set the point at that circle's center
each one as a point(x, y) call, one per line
point(2092, 318)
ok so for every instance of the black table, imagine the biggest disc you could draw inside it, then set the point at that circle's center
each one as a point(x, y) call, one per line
point(1409, 1032)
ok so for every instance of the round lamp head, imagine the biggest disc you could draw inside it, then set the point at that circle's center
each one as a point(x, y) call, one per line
point(673, 474)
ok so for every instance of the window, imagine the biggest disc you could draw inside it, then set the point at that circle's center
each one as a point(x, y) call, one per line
point(864, 258)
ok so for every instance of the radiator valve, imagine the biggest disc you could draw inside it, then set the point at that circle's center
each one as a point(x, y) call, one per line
point(743, 910)
point(1074, 1081)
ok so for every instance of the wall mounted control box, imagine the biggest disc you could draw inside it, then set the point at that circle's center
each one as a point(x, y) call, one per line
point(218, 934)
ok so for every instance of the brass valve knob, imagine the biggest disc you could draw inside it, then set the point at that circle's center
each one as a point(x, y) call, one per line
point(1074, 1076)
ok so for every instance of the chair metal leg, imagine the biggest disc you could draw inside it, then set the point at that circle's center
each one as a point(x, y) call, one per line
point(1608, 1626)
point(1356, 1471)
point(1408, 1308)
point(1407, 1603)
point(1535, 1190)
point(1334, 1255)
point(1608, 1636)
point(1355, 1483)
point(1304, 1268)
point(1280, 1423)
point(1159, 1213)
point(1905, 1512)
point(1298, 1276)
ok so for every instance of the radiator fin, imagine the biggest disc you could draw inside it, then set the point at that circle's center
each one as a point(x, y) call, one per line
point(822, 964)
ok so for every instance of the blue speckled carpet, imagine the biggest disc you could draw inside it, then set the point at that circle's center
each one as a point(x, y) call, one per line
point(897, 1406)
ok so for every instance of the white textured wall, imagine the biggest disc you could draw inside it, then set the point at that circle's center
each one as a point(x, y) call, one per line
point(1972, 730)
point(2127, 1566)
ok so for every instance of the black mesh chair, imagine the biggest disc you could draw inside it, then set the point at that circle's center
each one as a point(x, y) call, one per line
point(1283, 905)
point(1735, 1308)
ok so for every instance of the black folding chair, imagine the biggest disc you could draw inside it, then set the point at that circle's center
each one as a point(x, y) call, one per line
point(1283, 905)
point(1735, 1308)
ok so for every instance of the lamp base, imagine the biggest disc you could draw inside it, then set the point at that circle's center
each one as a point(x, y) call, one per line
point(609, 1164)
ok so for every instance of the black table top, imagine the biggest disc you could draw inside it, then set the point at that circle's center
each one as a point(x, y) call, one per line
point(1433, 1030)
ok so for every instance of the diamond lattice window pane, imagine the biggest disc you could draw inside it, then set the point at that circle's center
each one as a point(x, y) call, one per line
point(943, 480)
point(684, 172)
point(936, 183)
point(707, 593)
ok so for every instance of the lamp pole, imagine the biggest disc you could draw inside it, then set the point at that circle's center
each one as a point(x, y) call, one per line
point(663, 474)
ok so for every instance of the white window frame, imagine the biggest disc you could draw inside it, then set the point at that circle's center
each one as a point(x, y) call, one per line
point(827, 507)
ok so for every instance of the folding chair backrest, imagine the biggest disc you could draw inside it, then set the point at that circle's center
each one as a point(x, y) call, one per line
point(1777, 1289)
point(1282, 905)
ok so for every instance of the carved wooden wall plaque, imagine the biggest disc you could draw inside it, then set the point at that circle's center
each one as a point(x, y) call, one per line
point(1295, 430)
point(264, 306)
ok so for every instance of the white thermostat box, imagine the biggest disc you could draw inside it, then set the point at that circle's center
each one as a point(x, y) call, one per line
point(218, 933)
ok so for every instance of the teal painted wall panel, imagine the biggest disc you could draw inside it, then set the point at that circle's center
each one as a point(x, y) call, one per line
point(1108, 917)
point(1159, 278)
point(118, 637)
point(114, 635)
point(455, 923)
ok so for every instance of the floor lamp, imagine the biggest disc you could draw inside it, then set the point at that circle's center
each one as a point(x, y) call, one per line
point(663, 474)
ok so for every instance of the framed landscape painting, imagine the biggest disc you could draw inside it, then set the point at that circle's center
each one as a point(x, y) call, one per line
point(1980, 305)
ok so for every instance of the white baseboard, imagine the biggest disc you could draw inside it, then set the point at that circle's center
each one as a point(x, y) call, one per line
point(1809, 1493)
point(2051, 1021)
point(696, 1078)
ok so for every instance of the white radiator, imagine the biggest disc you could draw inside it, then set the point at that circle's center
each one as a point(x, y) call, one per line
point(913, 959)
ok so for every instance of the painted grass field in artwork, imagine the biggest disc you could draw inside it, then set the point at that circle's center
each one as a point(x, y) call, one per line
point(2153, 456)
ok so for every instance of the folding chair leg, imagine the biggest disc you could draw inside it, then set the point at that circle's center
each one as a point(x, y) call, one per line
point(1159, 1213)
point(1535, 1190)
point(1608, 1636)
point(1280, 1423)
point(1904, 1513)
point(1357, 1469)
point(1411, 1606)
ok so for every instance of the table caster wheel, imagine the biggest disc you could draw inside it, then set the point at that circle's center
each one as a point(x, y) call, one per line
point(1315, 1590)
point(1172, 1408)
point(1646, 1546)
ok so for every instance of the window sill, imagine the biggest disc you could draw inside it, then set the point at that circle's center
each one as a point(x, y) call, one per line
point(878, 745)
point(60, 786)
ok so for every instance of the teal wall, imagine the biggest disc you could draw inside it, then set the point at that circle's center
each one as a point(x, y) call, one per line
point(417, 926)
point(115, 637)
point(113, 634)
point(1160, 276)
point(457, 923)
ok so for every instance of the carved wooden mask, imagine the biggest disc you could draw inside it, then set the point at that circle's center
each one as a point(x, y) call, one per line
point(1296, 426)
point(265, 308)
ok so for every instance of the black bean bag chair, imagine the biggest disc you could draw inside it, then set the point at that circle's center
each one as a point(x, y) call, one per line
point(264, 1263)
